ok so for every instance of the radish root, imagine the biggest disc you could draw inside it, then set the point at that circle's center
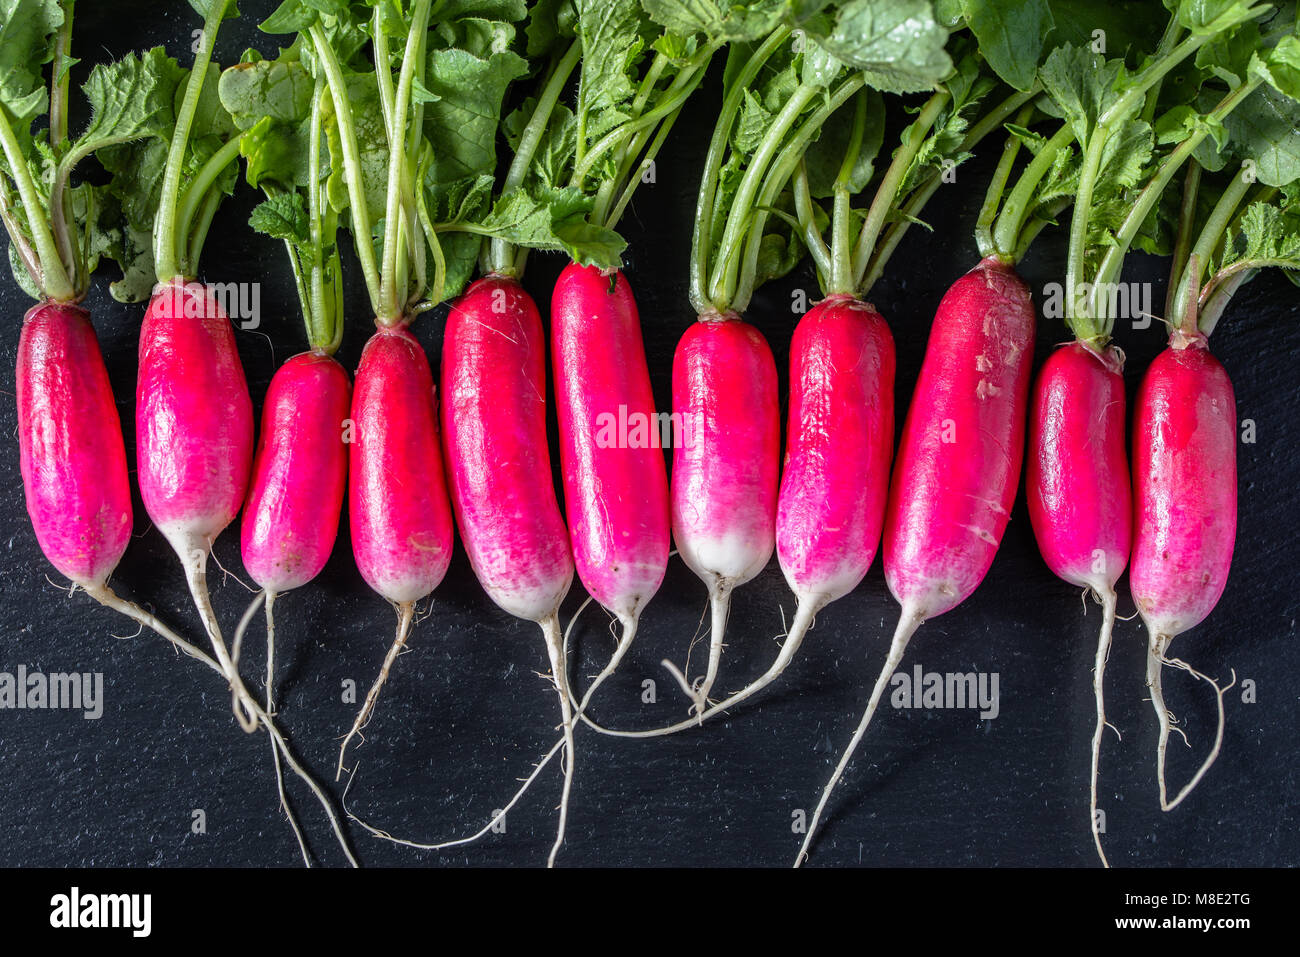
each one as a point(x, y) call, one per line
point(109, 599)
point(555, 650)
point(405, 612)
point(908, 622)
point(804, 618)
point(720, 609)
point(193, 551)
point(1108, 601)
point(1156, 660)
point(270, 711)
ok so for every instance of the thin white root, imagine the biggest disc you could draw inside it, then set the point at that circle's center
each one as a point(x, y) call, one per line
point(803, 621)
point(908, 622)
point(1156, 659)
point(270, 711)
point(559, 671)
point(193, 554)
point(405, 612)
point(1108, 601)
point(106, 597)
point(698, 692)
point(497, 818)
point(245, 622)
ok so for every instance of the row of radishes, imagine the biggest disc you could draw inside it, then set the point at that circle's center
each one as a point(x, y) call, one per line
point(410, 462)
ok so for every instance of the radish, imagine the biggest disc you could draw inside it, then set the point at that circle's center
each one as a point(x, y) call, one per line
point(1185, 507)
point(1078, 490)
point(498, 467)
point(725, 469)
point(616, 498)
point(70, 443)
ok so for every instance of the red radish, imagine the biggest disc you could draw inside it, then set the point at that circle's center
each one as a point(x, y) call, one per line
point(1185, 510)
point(958, 464)
point(499, 470)
point(398, 509)
point(70, 445)
point(194, 437)
point(291, 518)
point(1080, 501)
point(616, 497)
point(726, 465)
point(838, 453)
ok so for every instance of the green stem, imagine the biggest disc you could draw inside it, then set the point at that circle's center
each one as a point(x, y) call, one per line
point(722, 287)
point(196, 195)
point(362, 230)
point(913, 138)
point(392, 302)
point(1078, 243)
point(841, 272)
point(199, 232)
point(1167, 41)
point(1006, 232)
point(60, 203)
point(166, 246)
point(780, 171)
point(702, 233)
point(313, 307)
point(812, 237)
point(501, 258)
point(1183, 239)
point(997, 186)
point(1200, 256)
point(383, 70)
point(55, 282)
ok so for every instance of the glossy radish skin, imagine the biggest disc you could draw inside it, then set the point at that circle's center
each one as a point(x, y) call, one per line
point(727, 463)
point(295, 500)
point(193, 417)
point(839, 447)
point(1077, 477)
point(498, 462)
point(400, 516)
point(70, 445)
point(616, 497)
point(1185, 487)
point(963, 442)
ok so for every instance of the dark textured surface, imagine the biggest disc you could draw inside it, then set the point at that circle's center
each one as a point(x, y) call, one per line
point(465, 713)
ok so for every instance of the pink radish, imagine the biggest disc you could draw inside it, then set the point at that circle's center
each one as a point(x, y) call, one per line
point(616, 498)
point(958, 464)
point(726, 466)
point(398, 509)
point(194, 437)
point(70, 446)
point(291, 517)
point(1185, 510)
point(1080, 502)
point(499, 470)
point(838, 453)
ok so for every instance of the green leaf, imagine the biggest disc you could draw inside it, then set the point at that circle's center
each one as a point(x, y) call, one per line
point(898, 44)
point(1012, 36)
point(1265, 128)
point(462, 123)
point(130, 98)
point(283, 215)
point(27, 29)
point(718, 20)
point(279, 89)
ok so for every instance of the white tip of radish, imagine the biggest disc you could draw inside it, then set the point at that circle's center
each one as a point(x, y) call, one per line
point(719, 608)
point(1106, 595)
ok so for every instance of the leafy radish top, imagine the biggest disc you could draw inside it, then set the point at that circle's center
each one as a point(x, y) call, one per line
point(59, 230)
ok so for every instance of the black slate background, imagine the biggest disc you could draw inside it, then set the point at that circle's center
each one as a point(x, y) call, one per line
point(465, 712)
